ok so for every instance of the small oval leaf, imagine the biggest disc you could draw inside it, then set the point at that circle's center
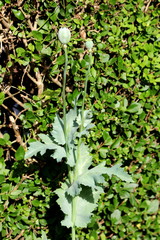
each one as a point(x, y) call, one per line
point(19, 155)
point(18, 14)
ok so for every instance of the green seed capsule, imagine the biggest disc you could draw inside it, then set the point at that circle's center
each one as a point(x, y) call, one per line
point(64, 35)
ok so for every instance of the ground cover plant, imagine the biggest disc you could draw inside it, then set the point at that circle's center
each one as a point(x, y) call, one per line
point(123, 94)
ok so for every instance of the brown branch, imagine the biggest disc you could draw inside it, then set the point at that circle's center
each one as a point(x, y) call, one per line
point(24, 110)
point(56, 81)
point(5, 23)
point(1, 135)
point(40, 84)
point(15, 99)
point(16, 131)
point(27, 16)
point(38, 81)
point(37, 16)
point(31, 78)
point(19, 3)
point(19, 235)
point(4, 106)
point(146, 9)
point(24, 177)
point(9, 234)
point(27, 98)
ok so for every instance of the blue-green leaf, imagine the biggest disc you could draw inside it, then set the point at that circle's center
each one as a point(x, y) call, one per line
point(72, 126)
point(93, 176)
point(71, 156)
point(34, 148)
point(84, 159)
point(59, 153)
point(85, 203)
point(45, 138)
point(87, 122)
point(58, 130)
point(87, 177)
point(119, 172)
point(90, 178)
point(38, 147)
point(46, 50)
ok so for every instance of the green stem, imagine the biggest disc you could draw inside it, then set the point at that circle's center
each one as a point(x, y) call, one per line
point(82, 115)
point(65, 128)
point(83, 104)
point(78, 147)
point(64, 91)
point(85, 93)
point(73, 232)
point(64, 108)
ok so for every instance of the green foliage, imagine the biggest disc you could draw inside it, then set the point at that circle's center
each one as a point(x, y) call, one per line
point(2, 95)
point(23, 197)
point(123, 95)
point(36, 114)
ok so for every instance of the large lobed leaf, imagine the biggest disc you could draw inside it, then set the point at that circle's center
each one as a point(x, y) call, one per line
point(72, 125)
point(71, 160)
point(38, 147)
point(58, 130)
point(119, 172)
point(58, 140)
point(59, 153)
point(85, 204)
point(84, 159)
point(87, 118)
point(90, 178)
point(87, 122)
point(85, 192)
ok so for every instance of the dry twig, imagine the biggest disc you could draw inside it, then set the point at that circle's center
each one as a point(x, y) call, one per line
point(16, 131)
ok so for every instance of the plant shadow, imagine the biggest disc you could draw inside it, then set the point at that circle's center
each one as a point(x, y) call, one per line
point(54, 173)
point(51, 174)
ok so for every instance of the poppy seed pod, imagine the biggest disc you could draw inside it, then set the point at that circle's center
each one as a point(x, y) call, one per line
point(64, 35)
point(89, 44)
